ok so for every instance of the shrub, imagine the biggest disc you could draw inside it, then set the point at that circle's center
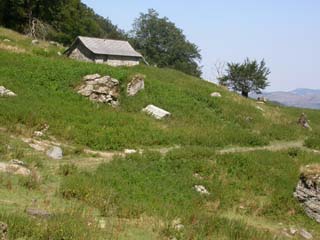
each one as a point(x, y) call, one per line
point(313, 141)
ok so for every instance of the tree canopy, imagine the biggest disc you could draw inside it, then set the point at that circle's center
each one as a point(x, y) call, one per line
point(165, 45)
point(66, 19)
point(246, 77)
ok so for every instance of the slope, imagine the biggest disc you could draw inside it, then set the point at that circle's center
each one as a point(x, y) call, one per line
point(145, 196)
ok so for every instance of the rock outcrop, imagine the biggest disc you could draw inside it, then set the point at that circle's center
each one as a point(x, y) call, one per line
point(6, 92)
point(308, 191)
point(101, 89)
point(135, 85)
point(156, 112)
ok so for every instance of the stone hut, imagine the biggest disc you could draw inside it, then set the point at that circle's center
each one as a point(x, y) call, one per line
point(107, 51)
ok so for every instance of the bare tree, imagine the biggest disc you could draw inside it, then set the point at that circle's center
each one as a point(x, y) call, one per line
point(219, 69)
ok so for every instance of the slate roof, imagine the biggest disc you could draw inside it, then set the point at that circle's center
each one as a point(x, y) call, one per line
point(109, 47)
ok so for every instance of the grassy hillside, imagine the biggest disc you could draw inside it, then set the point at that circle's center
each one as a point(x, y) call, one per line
point(213, 143)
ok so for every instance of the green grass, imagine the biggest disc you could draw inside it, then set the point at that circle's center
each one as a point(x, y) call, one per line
point(45, 88)
point(261, 182)
point(140, 195)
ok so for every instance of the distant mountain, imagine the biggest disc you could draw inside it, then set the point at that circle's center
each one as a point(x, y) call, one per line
point(301, 97)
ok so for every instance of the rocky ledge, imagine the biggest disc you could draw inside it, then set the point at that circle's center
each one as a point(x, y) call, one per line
point(308, 191)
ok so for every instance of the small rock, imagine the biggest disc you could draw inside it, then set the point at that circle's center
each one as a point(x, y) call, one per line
point(6, 92)
point(17, 162)
point(198, 176)
point(38, 212)
point(216, 94)
point(54, 43)
point(102, 224)
point(3, 231)
point(38, 134)
point(201, 189)
point(35, 42)
point(91, 77)
point(6, 40)
point(156, 112)
point(293, 231)
point(59, 53)
point(55, 153)
point(130, 151)
point(176, 224)
point(305, 234)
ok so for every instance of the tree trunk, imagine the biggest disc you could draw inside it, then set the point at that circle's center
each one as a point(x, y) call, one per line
point(245, 94)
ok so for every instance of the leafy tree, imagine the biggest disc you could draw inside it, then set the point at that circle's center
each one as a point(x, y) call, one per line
point(246, 77)
point(165, 45)
point(66, 19)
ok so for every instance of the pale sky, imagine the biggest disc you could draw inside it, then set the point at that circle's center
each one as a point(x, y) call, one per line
point(286, 33)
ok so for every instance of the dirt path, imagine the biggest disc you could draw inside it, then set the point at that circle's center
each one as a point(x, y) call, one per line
point(274, 146)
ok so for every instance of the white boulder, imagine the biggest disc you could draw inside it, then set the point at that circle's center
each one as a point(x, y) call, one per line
point(6, 92)
point(156, 112)
point(35, 42)
point(55, 153)
point(130, 151)
point(201, 189)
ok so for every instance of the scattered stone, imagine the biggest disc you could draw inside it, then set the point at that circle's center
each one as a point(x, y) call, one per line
point(285, 233)
point(35, 212)
point(14, 169)
point(293, 231)
point(135, 85)
point(55, 153)
point(177, 225)
point(6, 40)
point(304, 122)
point(308, 191)
point(102, 224)
point(38, 134)
point(249, 119)
point(201, 189)
point(305, 234)
point(54, 43)
point(156, 112)
point(59, 53)
point(216, 94)
point(42, 131)
point(198, 176)
point(3, 231)
point(35, 42)
point(6, 92)
point(17, 162)
point(101, 89)
point(262, 99)
point(130, 151)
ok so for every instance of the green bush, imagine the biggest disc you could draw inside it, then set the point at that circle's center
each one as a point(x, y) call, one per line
point(313, 141)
